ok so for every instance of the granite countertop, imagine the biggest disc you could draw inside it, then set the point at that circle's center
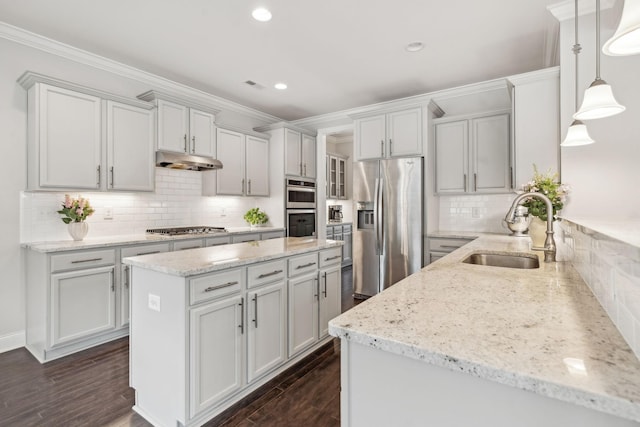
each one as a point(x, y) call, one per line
point(206, 260)
point(540, 330)
point(102, 242)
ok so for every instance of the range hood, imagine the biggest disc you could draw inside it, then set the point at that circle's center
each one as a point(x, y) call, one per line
point(167, 159)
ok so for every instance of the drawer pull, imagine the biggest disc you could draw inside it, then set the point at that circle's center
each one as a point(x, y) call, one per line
point(147, 253)
point(273, 273)
point(450, 246)
point(80, 261)
point(305, 265)
point(226, 285)
point(333, 257)
point(190, 247)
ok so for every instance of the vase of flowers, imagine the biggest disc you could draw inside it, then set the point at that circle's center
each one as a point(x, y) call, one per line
point(75, 212)
point(255, 217)
point(549, 185)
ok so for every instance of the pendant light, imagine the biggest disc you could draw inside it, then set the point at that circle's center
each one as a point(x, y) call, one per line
point(577, 133)
point(626, 40)
point(598, 101)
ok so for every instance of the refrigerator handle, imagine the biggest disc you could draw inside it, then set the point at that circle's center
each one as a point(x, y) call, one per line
point(376, 214)
point(379, 209)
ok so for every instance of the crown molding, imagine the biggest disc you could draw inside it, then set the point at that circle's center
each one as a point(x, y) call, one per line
point(36, 41)
point(533, 76)
point(154, 95)
point(287, 125)
point(566, 9)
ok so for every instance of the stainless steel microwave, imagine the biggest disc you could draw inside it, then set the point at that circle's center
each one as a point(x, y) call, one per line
point(301, 193)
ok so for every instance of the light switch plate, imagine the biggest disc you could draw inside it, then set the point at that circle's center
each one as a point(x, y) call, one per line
point(154, 302)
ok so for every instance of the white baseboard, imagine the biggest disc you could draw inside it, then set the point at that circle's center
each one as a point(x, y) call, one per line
point(12, 341)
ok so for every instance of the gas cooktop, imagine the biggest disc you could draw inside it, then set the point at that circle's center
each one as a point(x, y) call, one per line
point(178, 231)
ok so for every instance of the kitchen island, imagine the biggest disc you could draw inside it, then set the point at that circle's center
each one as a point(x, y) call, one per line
point(462, 344)
point(211, 325)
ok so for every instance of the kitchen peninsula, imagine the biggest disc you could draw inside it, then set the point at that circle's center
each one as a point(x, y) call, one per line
point(211, 325)
point(463, 344)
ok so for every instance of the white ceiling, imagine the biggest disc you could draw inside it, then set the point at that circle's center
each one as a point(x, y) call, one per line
point(333, 54)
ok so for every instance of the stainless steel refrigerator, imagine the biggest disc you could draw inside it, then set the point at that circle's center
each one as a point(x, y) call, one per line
point(387, 237)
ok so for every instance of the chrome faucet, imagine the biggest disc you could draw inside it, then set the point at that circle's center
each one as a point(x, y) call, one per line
point(549, 243)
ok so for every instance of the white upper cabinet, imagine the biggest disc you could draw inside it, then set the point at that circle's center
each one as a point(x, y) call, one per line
point(185, 130)
point(396, 134)
point(202, 130)
point(245, 166)
point(85, 139)
point(299, 154)
point(130, 148)
point(473, 155)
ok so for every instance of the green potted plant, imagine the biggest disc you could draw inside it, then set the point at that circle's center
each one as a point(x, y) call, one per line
point(256, 217)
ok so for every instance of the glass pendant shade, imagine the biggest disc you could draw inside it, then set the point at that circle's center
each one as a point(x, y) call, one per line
point(577, 135)
point(598, 102)
point(626, 40)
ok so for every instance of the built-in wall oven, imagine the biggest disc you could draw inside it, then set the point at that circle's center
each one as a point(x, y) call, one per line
point(301, 222)
point(301, 193)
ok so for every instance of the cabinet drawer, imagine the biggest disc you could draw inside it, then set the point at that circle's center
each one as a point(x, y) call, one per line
point(446, 245)
point(265, 273)
point(330, 256)
point(215, 285)
point(245, 238)
point(303, 264)
point(346, 228)
point(183, 245)
point(272, 235)
point(80, 260)
point(337, 229)
point(330, 230)
point(217, 241)
point(144, 250)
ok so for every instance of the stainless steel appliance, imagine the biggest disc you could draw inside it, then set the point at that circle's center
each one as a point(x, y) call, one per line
point(301, 222)
point(301, 193)
point(335, 213)
point(178, 231)
point(167, 159)
point(387, 237)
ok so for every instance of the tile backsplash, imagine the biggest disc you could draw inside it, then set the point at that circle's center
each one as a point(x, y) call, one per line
point(475, 212)
point(177, 201)
point(611, 269)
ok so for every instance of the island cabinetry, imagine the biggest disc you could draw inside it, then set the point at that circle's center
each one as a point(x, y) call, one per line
point(71, 302)
point(395, 134)
point(303, 302)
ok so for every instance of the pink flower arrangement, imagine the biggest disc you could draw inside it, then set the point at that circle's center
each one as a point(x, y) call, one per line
point(75, 210)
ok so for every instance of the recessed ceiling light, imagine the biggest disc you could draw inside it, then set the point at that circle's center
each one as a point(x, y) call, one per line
point(280, 86)
point(261, 14)
point(414, 47)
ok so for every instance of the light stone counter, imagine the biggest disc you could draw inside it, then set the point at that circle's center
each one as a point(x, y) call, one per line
point(102, 242)
point(529, 329)
point(205, 260)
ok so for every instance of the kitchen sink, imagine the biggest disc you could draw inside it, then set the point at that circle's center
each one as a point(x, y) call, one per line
point(503, 260)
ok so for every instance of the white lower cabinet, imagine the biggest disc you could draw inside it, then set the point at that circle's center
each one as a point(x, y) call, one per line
point(330, 301)
point(303, 312)
point(267, 329)
point(82, 304)
point(216, 352)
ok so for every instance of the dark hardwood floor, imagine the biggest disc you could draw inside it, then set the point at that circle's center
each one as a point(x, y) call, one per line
point(91, 388)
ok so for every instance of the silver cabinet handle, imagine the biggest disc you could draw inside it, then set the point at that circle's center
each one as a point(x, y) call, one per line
point(273, 273)
point(333, 257)
point(475, 182)
point(325, 284)
point(241, 326)
point(190, 247)
point(381, 148)
point(98, 173)
point(193, 144)
point(305, 265)
point(449, 246)
point(113, 280)
point(80, 261)
point(147, 253)
point(511, 176)
point(465, 182)
point(301, 169)
point(305, 169)
point(226, 285)
point(249, 187)
point(242, 185)
point(185, 143)
point(317, 294)
point(111, 172)
point(126, 276)
point(255, 310)
point(390, 147)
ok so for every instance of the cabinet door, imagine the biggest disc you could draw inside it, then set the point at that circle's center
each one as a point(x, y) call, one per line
point(308, 156)
point(230, 151)
point(330, 297)
point(70, 138)
point(82, 304)
point(303, 312)
point(451, 157)
point(490, 154)
point(130, 148)
point(241, 238)
point(404, 132)
point(342, 179)
point(292, 154)
point(257, 166)
point(369, 137)
point(125, 297)
point(347, 248)
point(215, 352)
point(202, 131)
point(267, 328)
point(173, 126)
point(333, 178)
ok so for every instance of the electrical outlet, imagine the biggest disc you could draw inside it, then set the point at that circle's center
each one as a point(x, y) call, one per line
point(475, 212)
point(108, 212)
point(154, 302)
